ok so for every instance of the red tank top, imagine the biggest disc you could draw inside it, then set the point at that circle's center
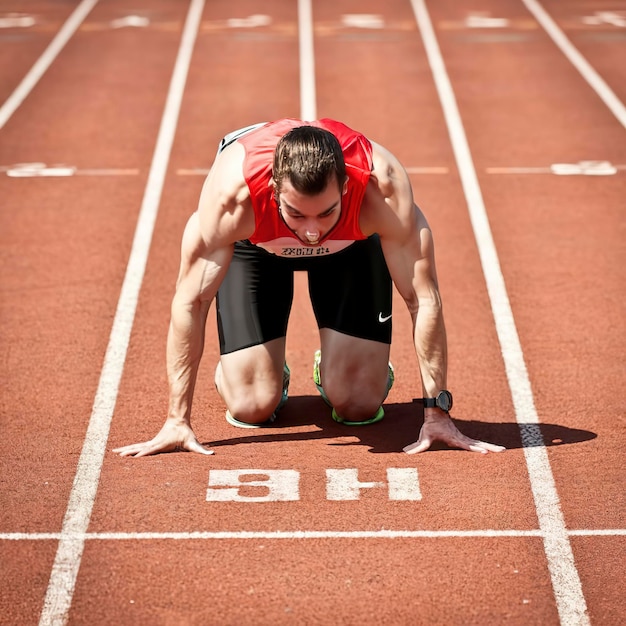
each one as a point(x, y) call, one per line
point(271, 233)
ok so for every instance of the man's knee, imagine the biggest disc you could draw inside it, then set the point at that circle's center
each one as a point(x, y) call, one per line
point(250, 383)
point(355, 409)
point(356, 389)
point(354, 400)
point(253, 408)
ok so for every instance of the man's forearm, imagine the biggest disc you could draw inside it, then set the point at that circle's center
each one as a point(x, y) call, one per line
point(185, 344)
point(431, 347)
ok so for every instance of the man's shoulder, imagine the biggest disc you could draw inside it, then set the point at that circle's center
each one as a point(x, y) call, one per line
point(226, 176)
point(224, 206)
point(384, 168)
point(388, 194)
point(230, 160)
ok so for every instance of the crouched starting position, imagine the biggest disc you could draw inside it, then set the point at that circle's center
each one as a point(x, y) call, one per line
point(318, 197)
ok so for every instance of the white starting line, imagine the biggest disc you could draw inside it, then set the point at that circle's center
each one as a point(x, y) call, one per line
point(305, 534)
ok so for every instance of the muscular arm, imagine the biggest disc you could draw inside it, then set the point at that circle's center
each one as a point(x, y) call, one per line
point(201, 273)
point(223, 217)
point(407, 243)
point(412, 267)
point(408, 246)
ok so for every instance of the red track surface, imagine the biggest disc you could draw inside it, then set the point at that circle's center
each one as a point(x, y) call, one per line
point(65, 245)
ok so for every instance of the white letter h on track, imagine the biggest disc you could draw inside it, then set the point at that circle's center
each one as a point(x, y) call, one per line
point(402, 484)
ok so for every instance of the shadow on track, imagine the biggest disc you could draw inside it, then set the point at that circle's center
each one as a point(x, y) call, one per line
point(399, 427)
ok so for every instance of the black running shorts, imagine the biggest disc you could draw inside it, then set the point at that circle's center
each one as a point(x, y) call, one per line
point(350, 291)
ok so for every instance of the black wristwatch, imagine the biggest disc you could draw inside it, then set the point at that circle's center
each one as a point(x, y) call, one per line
point(443, 401)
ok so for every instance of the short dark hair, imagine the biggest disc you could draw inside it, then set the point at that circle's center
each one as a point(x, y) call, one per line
point(308, 157)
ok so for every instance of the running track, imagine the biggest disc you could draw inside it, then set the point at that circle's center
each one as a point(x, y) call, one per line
point(510, 117)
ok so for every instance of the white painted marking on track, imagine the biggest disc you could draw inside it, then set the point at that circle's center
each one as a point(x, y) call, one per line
point(107, 172)
point(484, 20)
point(599, 18)
point(45, 60)
point(344, 484)
point(584, 168)
point(283, 485)
point(131, 21)
point(269, 485)
point(253, 21)
point(581, 168)
point(599, 532)
point(308, 97)
point(321, 534)
point(58, 172)
point(403, 483)
point(36, 170)
point(17, 20)
point(76, 521)
point(518, 170)
point(306, 534)
point(578, 61)
point(362, 20)
point(566, 583)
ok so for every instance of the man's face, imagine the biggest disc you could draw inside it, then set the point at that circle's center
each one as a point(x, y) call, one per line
point(311, 218)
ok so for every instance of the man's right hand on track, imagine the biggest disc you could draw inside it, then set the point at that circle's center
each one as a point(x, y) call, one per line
point(173, 437)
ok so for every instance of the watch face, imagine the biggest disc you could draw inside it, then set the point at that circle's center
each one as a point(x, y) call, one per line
point(444, 400)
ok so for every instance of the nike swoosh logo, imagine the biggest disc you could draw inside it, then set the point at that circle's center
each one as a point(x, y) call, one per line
point(382, 319)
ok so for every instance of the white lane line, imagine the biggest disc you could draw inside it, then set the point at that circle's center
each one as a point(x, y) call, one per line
point(566, 583)
point(578, 61)
point(45, 60)
point(69, 553)
point(307, 534)
point(308, 97)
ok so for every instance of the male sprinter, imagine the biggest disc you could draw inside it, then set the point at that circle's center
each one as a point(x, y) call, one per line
point(318, 197)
